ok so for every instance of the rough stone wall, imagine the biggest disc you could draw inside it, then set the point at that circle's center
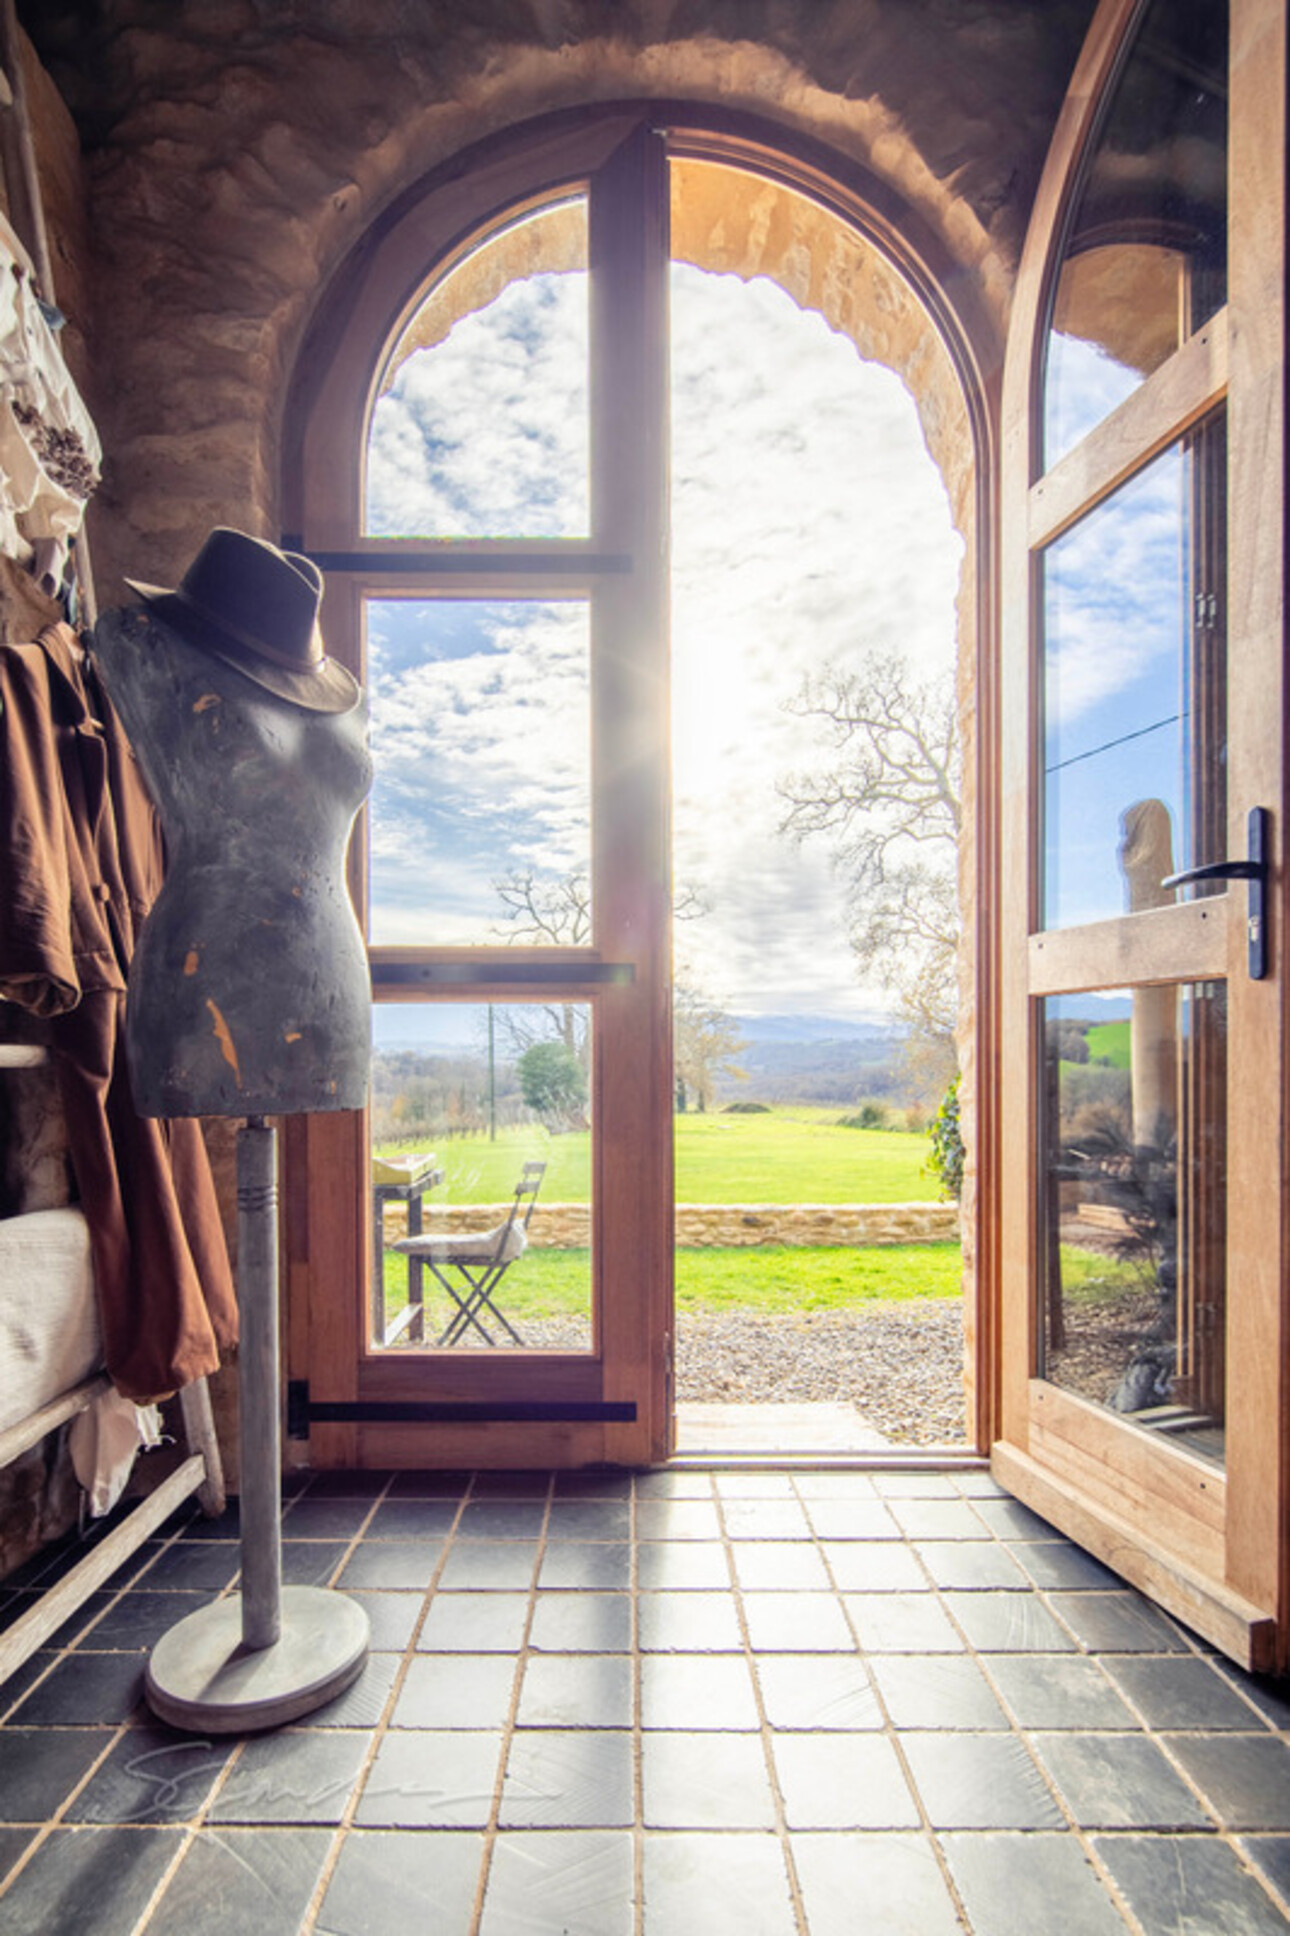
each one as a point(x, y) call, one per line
point(561, 1226)
point(237, 151)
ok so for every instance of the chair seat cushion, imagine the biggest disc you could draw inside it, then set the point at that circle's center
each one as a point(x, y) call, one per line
point(499, 1246)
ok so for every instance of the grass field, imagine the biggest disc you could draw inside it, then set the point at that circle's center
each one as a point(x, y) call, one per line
point(766, 1280)
point(1109, 1042)
point(790, 1155)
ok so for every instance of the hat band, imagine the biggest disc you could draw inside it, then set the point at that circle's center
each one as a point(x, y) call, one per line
point(290, 662)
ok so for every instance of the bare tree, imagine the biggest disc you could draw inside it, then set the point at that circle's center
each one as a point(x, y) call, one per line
point(889, 801)
point(705, 1045)
point(547, 911)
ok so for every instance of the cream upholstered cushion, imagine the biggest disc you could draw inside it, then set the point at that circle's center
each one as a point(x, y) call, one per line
point(467, 1246)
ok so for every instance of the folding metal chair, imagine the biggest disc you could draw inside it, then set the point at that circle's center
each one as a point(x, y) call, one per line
point(471, 1264)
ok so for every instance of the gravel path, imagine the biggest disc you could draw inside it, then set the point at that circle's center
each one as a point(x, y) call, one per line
point(901, 1366)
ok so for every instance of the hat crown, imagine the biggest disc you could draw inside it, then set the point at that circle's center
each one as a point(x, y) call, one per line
point(266, 598)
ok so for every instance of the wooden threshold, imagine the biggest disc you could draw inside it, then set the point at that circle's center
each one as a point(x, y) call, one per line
point(1245, 1633)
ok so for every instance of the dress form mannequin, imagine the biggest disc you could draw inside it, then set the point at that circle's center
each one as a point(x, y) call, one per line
point(248, 996)
point(249, 991)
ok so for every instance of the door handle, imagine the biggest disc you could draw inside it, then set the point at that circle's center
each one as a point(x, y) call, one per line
point(1253, 869)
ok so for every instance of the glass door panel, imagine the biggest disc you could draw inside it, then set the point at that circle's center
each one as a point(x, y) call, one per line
point(1144, 263)
point(1134, 690)
point(480, 815)
point(481, 427)
point(1133, 1292)
point(481, 1147)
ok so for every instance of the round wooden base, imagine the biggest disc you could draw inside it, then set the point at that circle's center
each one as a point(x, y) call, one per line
point(200, 1676)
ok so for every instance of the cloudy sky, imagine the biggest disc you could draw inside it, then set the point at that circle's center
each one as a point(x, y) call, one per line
point(809, 526)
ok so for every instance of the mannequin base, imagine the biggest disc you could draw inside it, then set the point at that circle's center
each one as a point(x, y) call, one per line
point(202, 1678)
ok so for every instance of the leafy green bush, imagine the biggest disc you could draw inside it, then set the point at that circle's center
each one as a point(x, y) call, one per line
point(945, 1158)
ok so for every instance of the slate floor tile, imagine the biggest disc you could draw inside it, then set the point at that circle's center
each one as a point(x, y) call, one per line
point(152, 1775)
point(91, 1879)
point(135, 1621)
point(320, 1518)
point(391, 1617)
point(86, 1688)
point(971, 1565)
point(431, 1780)
point(195, 1565)
point(1057, 1565)
point(301, 1778)
point(937, 1519)
point(243, 1878)
point(688, 1623)
point(724, 1885)
point(502, 1519)
point(914, 1485)
point(1245, 1778)
point(979, 1781)
point(383, 1881)
point(705, 1781)
point(1271, 1854)
point(1119, 1781)
point(1188, 1885)
point(793, 1623)
point(681, 1566)
point(463, 1623)
point(466, 1691)
point(890, 1883)
point(852, 1519)
point(580, 1690)
point(830, 1691)
point(697, 1691)
point(1058, 1691)
point(39, 1767)
point(1020, 1885)
point(902, 1623)
point(1271, 1697)
point(874, 1566)
point(1008, 1623)
point(416, 1519)
point(778, 1565)
point(586, 1623)
point(572, 1882)
point(937, 1691)
point(771, 1519)
point(363, 1703)
point(584, 1564)
point(402, 1566)
point(568, 1778)
point(1119, 1623)
point(588, 1519)
point(12, 1843)
point(1009, 1519)
point(478, 1563)
point(844, 1781)
point(1179, 1691)
point(677, 1519)
point(312, 1562)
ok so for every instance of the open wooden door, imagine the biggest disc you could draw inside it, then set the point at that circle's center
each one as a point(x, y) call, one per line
point(1145, 1363)
point(507, 609)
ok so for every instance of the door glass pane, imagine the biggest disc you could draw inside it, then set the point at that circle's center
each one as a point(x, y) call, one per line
point(480, 812)
point(480, 428)
point(1133, 1298)
point(1134, 685)
point(1145, 258)
point(472, 1103)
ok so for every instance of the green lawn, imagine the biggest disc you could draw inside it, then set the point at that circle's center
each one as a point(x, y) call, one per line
point(770, 1280)
point(791, 1155)
point(1109, 1042)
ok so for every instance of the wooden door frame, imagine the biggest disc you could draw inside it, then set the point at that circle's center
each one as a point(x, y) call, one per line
point(364, 306)
point(1209, 1544)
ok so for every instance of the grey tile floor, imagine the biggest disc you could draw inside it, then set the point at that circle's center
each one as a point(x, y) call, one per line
point(778, 1703)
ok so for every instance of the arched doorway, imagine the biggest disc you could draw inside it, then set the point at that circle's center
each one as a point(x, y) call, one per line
point(602, 190)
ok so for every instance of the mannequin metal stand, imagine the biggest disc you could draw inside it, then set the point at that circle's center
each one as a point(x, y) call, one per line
point(268, 1654)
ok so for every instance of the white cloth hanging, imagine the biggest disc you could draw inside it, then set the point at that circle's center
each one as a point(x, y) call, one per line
point(50, 456)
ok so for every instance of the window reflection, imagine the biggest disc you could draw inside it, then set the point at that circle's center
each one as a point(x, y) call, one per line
point(1134, 1296)
point(1145, 258)
point(1134, 688)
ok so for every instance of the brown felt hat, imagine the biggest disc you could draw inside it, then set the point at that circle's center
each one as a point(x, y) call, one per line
point(256, 608)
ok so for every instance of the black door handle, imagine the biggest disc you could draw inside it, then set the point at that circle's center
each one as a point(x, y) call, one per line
point(1254, 869)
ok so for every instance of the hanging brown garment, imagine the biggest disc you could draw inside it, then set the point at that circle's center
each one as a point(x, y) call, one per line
point(81, 862)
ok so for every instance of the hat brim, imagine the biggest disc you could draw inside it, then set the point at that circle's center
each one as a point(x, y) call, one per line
point(327, 687)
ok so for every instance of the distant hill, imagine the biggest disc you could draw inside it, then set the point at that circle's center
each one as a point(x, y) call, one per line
point(808, 1058)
